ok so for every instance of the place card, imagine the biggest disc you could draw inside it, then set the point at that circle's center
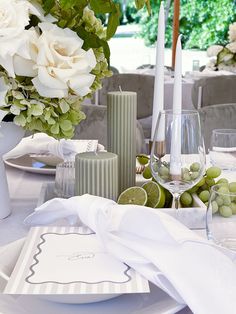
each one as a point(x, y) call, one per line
point(70, 260)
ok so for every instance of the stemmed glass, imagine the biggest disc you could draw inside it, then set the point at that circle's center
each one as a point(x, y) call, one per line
point(178, 154)
point(223, 149)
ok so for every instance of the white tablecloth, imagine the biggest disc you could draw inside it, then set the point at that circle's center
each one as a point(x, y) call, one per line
point(24, 192)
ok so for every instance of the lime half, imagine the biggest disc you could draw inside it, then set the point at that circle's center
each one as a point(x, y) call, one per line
point(134, 196)
point(155, 193)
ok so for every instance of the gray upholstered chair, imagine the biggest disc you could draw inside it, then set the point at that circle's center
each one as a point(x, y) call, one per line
point(209, 91)
point(220, 116)
point(95, 127)
point(143, 85)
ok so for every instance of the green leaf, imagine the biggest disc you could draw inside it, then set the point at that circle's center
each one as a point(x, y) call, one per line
point(90, 40)
point(64, 106)
point(20, 120)
point(66, 125)
point(101, 6)
point(48, 5)
point(113, 21)
point(55, 129)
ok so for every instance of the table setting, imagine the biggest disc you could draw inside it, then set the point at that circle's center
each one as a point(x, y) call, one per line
point(86, 228)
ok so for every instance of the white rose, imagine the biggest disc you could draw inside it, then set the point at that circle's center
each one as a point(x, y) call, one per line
point(23, 66)
point(232, 47)
point(14, 17)
point(62, 64)
point(213, 51)
point(211, 65)
point(232, 32)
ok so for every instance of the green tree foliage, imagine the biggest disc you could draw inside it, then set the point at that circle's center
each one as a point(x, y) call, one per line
point(202, 22)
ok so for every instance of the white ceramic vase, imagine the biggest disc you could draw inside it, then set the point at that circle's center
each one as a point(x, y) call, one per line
point(10, 136)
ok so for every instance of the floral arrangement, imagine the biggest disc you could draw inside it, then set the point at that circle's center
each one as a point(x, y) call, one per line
point(53, 54)
point(224, 57)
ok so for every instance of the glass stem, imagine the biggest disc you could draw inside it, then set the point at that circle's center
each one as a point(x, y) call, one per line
point(176, 200)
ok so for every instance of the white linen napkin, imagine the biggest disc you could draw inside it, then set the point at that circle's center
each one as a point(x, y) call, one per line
point(184, 265)
point(41, 143)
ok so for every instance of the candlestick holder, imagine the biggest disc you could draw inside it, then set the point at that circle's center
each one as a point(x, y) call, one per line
point(183, 163)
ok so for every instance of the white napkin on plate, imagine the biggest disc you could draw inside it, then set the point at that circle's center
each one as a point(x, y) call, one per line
point(184, 265)
point(41, 143)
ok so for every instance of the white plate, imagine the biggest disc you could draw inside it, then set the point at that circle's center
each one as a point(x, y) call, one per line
point(29, 164)
point(155, 302)
point(49, 160)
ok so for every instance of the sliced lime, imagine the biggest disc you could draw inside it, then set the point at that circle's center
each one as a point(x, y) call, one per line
point(143, 159)
point(134, 195)
point(155, 193)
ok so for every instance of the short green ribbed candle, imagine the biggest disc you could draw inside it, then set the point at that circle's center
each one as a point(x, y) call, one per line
point(121, 134)
point(96, 173)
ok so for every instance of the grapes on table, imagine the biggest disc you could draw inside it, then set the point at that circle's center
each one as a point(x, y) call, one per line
point(186, 199)
point(213, 172)
point(225, 211)
point(222, 203)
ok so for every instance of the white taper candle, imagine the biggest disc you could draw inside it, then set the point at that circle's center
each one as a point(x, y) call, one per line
point(175, 158)
point(158, 98)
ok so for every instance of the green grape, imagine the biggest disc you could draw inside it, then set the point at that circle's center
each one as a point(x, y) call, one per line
point(147, 174)
point(213, 172)
point(186, 199)
point(143, 159)
point(210, 182)
point(193, 190)
point(204, 196)
point(219, 200)
point(194, 175)
point(164, 171)
point(232, 187)
point(233, 208)
point(223, 190)
point(201, 182)
point(186, 177)
point(165, 178)
point(226, 199)
point(225, 211)
point(222, 180)
point(184, 170)
point(195, 167)
point(214, 207)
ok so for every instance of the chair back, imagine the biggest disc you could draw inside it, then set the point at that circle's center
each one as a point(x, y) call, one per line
point(142, 84)
point(209, 91)
point(220, 116)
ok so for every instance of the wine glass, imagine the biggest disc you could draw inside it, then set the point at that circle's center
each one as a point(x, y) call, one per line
point(178, 154)
point(223, 149)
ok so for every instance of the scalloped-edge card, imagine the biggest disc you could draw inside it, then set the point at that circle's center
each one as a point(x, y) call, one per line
point(70, 260)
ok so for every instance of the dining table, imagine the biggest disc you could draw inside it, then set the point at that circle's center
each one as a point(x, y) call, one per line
point(25, 188)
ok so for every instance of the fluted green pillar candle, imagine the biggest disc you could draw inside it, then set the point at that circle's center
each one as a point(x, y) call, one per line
point(121, 136)
point(96, 173)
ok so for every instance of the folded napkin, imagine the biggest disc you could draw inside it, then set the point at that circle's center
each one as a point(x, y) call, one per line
point(41, 143)
point(184, 265)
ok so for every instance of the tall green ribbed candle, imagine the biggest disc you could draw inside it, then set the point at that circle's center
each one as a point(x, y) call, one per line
point(121, 134)
point(96, 173)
